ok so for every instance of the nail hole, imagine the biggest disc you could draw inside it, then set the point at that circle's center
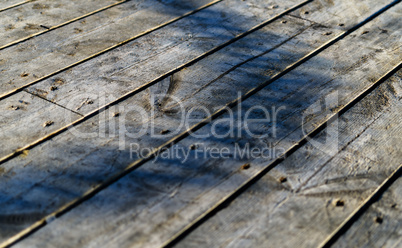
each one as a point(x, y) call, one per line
point(246, 166)
point(14, 107)
point(283, 179)
point(378, 219)
point(48, 123)
point(164, 131)
point(339, 203)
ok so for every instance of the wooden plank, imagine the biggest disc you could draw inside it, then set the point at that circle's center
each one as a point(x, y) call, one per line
point(380, 225)
point(36, 16)
point(163, 197)
point(336, 12)
point(69, 86)
point(25, 117)
point(45, 55)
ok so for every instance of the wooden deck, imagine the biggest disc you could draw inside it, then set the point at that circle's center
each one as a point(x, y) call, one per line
point(130, 123)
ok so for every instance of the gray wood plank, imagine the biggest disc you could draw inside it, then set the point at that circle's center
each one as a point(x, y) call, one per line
point(158, 199)
point(25, 117)
point(336, 12)
point(43, 55)
point(380, 225)
point(36, 16)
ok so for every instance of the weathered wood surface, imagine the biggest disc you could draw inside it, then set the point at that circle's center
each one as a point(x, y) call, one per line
point(25, 117)
point(159, 199)
point(233, 55)
point(71, 91)
point(36, 16)
point(46, 54)
point(337, 11)
point(70, 86)
point(321, 190)
point(149, 56)
point(381, 225)
point(196, 187)
point(101, 75)
point(143, 60)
